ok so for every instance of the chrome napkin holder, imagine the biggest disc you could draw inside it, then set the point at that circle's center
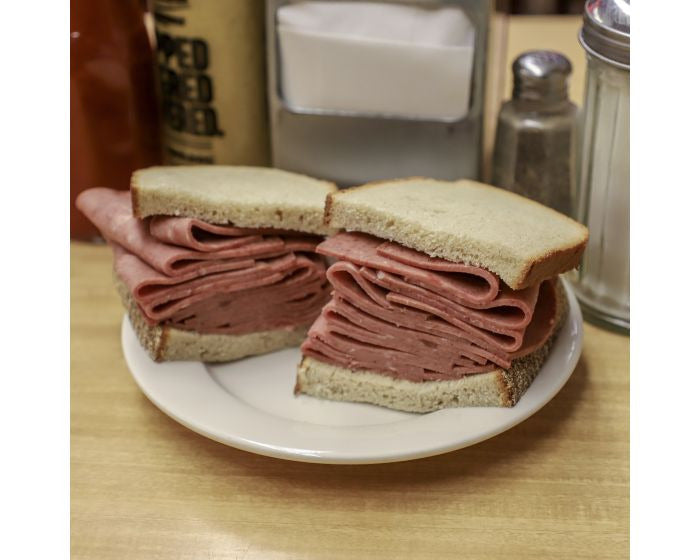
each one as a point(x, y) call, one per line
point(352, 148)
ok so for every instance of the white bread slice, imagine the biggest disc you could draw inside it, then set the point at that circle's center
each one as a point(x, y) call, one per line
point(520, 240)
point(499, 387)
point(166, 344)
point(243, 196)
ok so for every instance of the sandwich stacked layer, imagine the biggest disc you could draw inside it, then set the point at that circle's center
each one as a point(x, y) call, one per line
point(416, 332)
point(197, 290)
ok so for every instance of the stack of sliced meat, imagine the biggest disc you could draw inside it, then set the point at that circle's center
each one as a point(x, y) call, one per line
point(400, 312)
point(209, 278)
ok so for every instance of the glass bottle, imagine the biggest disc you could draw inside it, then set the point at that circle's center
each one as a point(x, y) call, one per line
point(602, 284)
point(534, 150)
point(114, 123)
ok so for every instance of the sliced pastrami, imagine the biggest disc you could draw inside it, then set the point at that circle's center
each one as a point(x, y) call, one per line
point(111, 212)
point(400, 312)
point(362, 249)
point(209, 278)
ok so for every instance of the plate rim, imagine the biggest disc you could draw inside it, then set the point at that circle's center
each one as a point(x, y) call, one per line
point(574, 320)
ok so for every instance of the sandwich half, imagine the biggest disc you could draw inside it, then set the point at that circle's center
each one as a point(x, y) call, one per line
point(214, 263)
point(444, 294)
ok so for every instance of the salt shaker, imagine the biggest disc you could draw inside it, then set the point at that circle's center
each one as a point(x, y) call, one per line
point(534, 155)
point(602, 285)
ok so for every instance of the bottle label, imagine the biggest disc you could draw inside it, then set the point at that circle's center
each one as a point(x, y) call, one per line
point(187, 91)
point(201, 61)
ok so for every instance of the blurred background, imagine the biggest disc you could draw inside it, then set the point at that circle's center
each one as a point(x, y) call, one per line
point(531, 96)
point(540, 7)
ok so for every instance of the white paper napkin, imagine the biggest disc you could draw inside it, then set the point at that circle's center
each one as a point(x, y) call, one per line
point(376, 58)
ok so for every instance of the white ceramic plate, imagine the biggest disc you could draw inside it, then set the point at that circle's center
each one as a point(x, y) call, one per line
point(250, 405)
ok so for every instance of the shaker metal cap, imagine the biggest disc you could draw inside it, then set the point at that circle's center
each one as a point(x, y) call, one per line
point(541, 75)
point(606, 31)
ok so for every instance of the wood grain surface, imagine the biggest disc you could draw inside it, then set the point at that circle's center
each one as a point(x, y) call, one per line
point(142, 486)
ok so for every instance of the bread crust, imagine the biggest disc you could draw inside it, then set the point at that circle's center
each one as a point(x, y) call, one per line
point(133, 191)
point(553, 263)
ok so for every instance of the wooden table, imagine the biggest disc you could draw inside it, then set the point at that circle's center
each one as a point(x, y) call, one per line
point(555, 486)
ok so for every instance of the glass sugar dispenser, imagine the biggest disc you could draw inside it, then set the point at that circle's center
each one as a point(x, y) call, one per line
point(534, 154)
point(603, 280)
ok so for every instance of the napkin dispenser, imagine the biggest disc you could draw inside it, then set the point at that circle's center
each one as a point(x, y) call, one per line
point(366, 90)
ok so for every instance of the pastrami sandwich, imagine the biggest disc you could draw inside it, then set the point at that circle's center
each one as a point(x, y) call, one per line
point(444, 294)
point(214, 263)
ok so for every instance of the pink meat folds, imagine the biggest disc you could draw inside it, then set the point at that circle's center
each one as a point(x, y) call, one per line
point(210, 278)
point(400, 312)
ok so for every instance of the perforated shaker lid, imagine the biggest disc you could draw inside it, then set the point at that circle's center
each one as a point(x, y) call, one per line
point(606, 31)
point(541, 75)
